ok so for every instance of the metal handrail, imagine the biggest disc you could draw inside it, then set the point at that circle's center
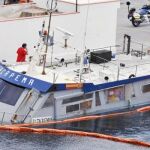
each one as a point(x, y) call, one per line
point(4, 114)
point(105, 48)
point(119, 68)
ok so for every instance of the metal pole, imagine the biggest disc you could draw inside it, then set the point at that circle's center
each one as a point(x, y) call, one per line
point(49, 24)
point(142, 51)
point(124, 43)
point(110, 48)
point(52, 52)
point(128, 8)
point(128, 4)
point(54, 78)
point(129, 42)
point(4, 2)
point(76, 5)
point(136, 70)
point(2, 118)
point(118, 73)
point(55, 115)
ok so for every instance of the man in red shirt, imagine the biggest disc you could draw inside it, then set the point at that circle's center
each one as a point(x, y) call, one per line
point(22, 52)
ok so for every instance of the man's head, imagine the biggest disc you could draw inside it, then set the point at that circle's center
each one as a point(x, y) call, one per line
point(24, 45)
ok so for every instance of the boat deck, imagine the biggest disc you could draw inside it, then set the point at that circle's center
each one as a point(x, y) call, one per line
point(68, 72)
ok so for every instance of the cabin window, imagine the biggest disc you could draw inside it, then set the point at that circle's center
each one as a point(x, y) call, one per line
point(72, 108)
point(115, 94)
point(77, 98)
point(98, 102)
point(86, 105)
point(146, 88)
point(49, 102)
point(9, 93)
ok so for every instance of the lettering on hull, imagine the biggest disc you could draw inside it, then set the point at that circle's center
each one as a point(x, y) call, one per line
point(23, 80)
point(41, 119)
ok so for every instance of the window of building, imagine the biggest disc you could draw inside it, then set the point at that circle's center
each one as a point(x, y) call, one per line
point(85, 105)
point(146, 88)
point(72, 108)
point(115, 94)
point(9, 93)
point(77, 98)
point(98, 102)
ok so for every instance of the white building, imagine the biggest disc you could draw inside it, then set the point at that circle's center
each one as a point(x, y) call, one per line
point(93, 26)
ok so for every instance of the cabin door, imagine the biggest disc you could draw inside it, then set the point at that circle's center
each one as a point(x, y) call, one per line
point(26, 107)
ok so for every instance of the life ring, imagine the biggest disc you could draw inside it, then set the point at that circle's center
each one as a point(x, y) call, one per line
point(131, 76)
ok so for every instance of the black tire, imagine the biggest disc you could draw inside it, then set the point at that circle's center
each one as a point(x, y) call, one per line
point(135, 23)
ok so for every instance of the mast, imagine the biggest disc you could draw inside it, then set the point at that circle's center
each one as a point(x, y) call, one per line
point(49, 25)
point(84, 44)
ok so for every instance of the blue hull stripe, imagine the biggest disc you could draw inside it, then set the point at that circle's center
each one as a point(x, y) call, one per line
point(43, 86)
point(89, 87)
point(23, 80)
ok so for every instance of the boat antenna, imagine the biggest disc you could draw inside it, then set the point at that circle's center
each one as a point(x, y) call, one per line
point(50, 10)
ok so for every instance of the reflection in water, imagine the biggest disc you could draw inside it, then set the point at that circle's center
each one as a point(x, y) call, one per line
point(135, 125)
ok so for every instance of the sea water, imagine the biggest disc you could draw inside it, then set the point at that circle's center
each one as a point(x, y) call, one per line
point(135, 126)
point(17, 141)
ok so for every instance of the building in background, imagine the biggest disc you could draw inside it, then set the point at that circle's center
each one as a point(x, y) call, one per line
point(92, 23)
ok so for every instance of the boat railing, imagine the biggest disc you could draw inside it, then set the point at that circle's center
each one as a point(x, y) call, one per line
point(139, 49)
point(118, 72)
point(5, 118)
point(136, 69)
point(123, 71)
point(115, 49)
